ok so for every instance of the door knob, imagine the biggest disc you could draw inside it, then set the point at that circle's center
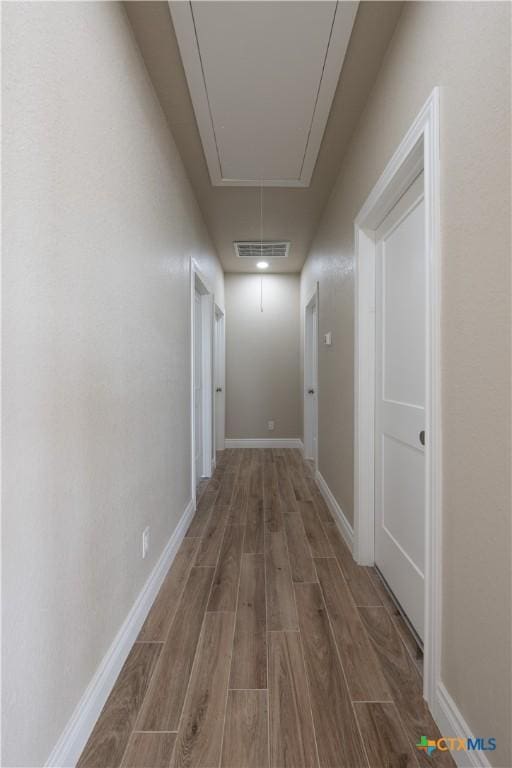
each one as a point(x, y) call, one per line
point(311, 391)
point(219, 389)
point(422, 437)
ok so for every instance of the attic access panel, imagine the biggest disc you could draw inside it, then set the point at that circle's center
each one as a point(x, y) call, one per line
point(262, 76)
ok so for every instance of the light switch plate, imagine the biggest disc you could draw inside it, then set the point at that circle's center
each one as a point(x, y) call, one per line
point(328, 339)
point(145, 542)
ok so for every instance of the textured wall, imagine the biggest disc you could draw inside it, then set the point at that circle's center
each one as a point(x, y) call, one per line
point(99, 227)
point(465, 49)
point(262, 356)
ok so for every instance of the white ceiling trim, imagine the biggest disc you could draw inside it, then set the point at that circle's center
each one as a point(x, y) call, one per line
point(184, 25)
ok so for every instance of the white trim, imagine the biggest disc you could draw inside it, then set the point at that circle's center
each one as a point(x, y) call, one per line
point(184, 26)
point(79, 727)
point(418, 150)
point(451, 723)
point(202, 278)
point(313, 295)
point(340, 519)
point(256, 442)
point(301, 447)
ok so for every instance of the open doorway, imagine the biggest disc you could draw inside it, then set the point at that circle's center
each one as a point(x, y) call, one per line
point(201, 378)
point(311, 378)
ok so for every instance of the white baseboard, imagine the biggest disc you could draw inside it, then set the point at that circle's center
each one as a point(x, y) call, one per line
point(256, 442)
point(343, 524)
point(79, 727)
point(451, 723)
point(301, 447)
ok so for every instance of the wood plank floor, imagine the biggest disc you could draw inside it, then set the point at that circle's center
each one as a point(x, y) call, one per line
point(267, 646)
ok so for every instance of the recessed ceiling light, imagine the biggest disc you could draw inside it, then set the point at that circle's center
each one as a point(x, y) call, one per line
point(262, 264)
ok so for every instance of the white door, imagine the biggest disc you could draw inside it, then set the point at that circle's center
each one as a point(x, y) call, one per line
point(400, 349)
point(219, 381)
point(198, 388)
point(310, 382)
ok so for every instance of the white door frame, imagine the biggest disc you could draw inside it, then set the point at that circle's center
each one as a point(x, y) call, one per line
point(311, 302)
point(418, 151)
point(219, 363)
point(198, 283)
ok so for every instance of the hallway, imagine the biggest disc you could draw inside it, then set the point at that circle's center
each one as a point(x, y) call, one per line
point(267, 645)
point(256, 384)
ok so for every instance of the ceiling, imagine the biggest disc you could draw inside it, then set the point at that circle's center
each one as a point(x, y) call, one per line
point(290, 213)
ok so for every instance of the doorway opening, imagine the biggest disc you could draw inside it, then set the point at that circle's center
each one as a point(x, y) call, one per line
point(397, 480)
point(311, 378)
point(201, 378)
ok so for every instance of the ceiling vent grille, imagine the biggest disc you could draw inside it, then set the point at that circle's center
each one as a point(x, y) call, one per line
point(266, 249)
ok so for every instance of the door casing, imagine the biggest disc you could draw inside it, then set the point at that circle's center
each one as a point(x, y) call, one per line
point(419, 150)
point(199, 283)
point(198, 385)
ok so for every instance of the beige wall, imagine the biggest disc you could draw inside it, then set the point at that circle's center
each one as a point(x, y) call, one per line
point(262, 356)
point(99, 226)
point(465, 49)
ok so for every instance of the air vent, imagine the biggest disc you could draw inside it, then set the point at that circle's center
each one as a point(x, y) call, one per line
point(266, 249)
